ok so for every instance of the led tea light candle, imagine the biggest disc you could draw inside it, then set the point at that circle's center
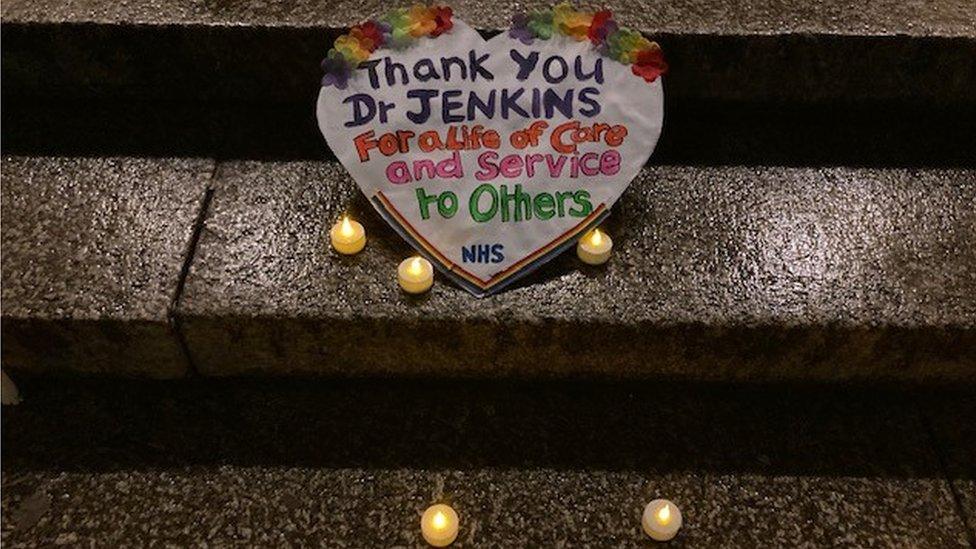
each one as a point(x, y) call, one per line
point(439, 525)
point(594, 248)
point(415, 275)
point(348, 236)
point(661, 520)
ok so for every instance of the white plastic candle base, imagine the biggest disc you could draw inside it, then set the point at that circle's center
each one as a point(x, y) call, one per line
point(592, 258)
point(415, 275)
point(348, 237)
point(661, 520)
point(594, 247)
point(439, 525)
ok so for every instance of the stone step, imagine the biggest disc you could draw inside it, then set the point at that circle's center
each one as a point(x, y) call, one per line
point(772, 82)
point(695, 133)
point(717, 273)
point(769, 50)
point(296, 462)
point(93, 250)
point(147, 267)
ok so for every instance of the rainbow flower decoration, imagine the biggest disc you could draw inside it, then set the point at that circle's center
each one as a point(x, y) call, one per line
point(619, 43)
point(401, 27)
point(397, 30)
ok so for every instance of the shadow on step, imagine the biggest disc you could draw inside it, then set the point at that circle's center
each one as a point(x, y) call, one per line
point(647, 426)
point(707, 133)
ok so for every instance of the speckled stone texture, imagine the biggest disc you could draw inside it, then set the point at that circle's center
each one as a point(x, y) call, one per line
point(167, 50)
point(696, 133)
point(768, 82)
point(92, 253)
point(730, 273)
point(882, 17)
point(352, 464)
point(953, 428)
point(269, 506)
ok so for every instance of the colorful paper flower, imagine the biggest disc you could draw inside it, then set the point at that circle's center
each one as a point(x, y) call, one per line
point(368, 34)
point(601, 26)
point(397, 29)
point(396, 19)
point(421, 21)
point(541, 25)
point(621, 44)
point(442, 19)
point(400, 27)
point(650, 64)
point(520, 29)
point(351, 49)
point(398, 24)
point(337, 70)
point(570, 22)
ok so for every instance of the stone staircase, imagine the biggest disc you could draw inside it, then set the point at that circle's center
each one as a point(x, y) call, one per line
point(352, 463)
point(789, 318)
point(809, 214)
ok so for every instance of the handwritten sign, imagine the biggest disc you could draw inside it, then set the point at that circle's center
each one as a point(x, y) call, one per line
point(491, 157)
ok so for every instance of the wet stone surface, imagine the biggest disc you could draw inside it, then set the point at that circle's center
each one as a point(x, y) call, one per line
point(267, 463)
point(165, 51)
point(270, 506)
point(954, 431)
point(717, 273)
point(93, 249)
point(920, 18)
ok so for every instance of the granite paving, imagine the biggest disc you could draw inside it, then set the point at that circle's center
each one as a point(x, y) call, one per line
point(881, 17)
point(768, 51)
point(757, 82)
point(92, 254)
point(271, 507)
point(953, 429)
point(697, 133)
point(354, 463)
point(724, 273)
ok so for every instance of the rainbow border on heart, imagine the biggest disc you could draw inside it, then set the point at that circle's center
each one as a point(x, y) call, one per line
point(499, 281)
point(401, 27)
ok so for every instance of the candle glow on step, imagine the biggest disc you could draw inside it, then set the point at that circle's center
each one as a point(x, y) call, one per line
point(439, 525)
point(348, 236)
point(415, 275)
point(661, 520)
point(594, 248)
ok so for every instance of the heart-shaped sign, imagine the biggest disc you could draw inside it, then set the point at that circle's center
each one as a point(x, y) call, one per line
point(491, 157)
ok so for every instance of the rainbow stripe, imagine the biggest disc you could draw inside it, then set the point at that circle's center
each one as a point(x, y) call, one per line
point(402, 26)
point(477, 285)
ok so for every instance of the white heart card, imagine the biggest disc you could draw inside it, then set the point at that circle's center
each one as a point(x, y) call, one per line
point(492, 156)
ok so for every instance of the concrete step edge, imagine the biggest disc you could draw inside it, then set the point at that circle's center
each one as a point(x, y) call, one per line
point(177, 61)
point(840, 273)
point(718, 273)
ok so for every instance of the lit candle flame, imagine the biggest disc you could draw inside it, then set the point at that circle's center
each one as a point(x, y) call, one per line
point(664, 514)
point(416, 268)
point(597, 237)
point(346, 229)
point(439, 521)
